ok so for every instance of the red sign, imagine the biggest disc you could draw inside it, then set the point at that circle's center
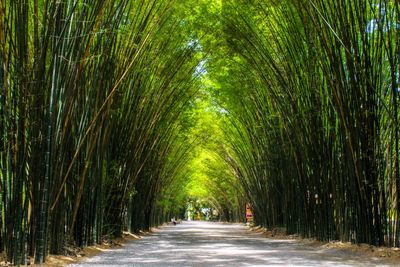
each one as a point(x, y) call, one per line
point(249, 212)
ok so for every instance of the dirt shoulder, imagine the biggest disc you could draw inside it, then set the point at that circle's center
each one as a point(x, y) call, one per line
point(385, 254)
point(76, 254)
point(87, 252)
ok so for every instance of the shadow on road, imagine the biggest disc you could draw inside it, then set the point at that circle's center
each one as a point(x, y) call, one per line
point(219, 244)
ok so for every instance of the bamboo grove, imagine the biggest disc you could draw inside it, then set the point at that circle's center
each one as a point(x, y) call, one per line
point(312, 90)
point(91, 93)
point(115, 114)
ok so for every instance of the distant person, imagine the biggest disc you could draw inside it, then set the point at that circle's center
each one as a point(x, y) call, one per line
point(173, 221)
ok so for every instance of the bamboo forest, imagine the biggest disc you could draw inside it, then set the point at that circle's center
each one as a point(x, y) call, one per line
point(120, 115)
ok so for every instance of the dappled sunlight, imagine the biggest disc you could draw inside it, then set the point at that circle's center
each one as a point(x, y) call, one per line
point(120, 116)
point(217, 244)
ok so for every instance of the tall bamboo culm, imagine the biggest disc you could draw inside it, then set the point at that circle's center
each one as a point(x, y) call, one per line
point(314, 136)
point(91, 93)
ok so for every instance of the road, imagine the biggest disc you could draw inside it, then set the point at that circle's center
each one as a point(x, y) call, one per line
point(218, 244)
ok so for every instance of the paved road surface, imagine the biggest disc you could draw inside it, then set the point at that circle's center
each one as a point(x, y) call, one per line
point(217, 244)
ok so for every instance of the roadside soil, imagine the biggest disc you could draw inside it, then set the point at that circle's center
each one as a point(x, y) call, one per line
point(76, 254)
point(387, 255)
point(87, 252)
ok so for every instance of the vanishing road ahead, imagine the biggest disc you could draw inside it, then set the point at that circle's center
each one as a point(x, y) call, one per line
point(218, 244)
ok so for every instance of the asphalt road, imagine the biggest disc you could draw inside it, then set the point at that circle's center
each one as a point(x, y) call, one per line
point(218, 244)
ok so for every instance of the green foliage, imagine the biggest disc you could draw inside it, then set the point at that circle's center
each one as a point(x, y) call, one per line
point(205, 178)
point(114, 115)
point(309, 134)
point(92, 94)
